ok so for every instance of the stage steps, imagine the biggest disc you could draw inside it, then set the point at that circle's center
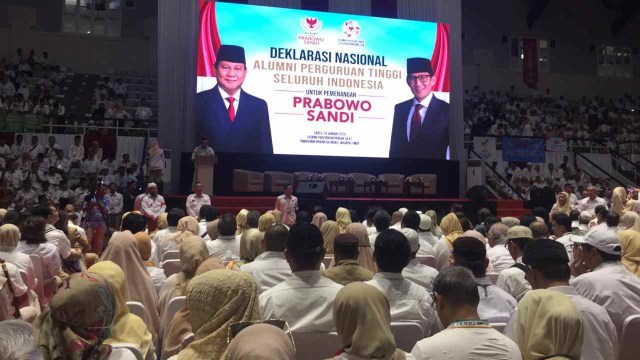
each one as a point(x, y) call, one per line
point(513, 208)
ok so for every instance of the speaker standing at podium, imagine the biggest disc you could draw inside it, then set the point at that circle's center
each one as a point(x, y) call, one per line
point(201, 150)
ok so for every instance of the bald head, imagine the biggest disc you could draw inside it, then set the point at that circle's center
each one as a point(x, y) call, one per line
point(539, 230)
point(497, 234)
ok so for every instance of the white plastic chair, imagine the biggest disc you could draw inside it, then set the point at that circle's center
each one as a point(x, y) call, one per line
point(427, 260)
point(327, 261)
point(628, 341)
point(171, 254)
point(316, 345)
point(493, 277)
point(37, 268)
point(499, 326)
point(172, 308)
point(407, 334)
point(137, 308)
point(188, 339)
point(171, 267)
point(131, 347)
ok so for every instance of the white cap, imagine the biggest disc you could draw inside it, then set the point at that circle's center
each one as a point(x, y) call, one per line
point(425, 222)
point(412, 236)
point(602, 239)
point(403, 210)
point(151, 185)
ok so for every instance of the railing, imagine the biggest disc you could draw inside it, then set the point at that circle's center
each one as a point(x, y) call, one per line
point(589, 145)
point(624, 166)
point(591, 168)
point(14, 122)
point(504, 181)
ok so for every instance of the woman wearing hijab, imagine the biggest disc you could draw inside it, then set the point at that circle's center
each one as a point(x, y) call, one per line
point(329, 231)
point(319, 219)
point(620, 204)
point(630, 221)
point(180, 325)
point(261, 342)
point(451, 229)
point(561, 206)
point(127, 328)
point(79, 321)
point(143, 242)
point(265, 222)
point(250, 245)
point(123, 251)
point(162, 224)
point(343, 218)
point(193, 252)
point(9, 239)
point(276, 215)
point(435, 229)
point(362, 316)
point(212, 230)
point(241, 221)
point(548, 326)
point(630, 243)
point(365, 259)
point(217, 299)
point(187, 226)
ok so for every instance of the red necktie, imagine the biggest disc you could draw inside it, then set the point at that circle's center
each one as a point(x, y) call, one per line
point(231, 110)
point(416, 124)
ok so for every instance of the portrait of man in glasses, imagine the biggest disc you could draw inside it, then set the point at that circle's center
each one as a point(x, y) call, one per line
point(420, 125)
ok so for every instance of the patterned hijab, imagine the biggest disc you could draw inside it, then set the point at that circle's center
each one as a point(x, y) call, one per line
point(343, 218)
point(217, 299)
point(250, 246)
point(78, 321)
point(362, 316)
point(127, 328)
point(329, 231)
point(548, 325)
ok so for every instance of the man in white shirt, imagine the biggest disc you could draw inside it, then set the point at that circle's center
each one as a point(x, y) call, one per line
point(609, 283)
point(35, 147)
point(591, 201)
point(196, 200)
point(152, 205)
point(416, 272)
point(381, 222)
point(561, 227)
point(76, 151)
point(305, 299)
point(226, 247)
point(115, 206)
point(64, 192)
point(53, 235)
point(271, 267)
point(408, 301)
point(61, 164)
point(287, 204)
point(5, 150)
point(164, 240)
point(512, 280)
point(424, 232)
point(6, 88)
point(53, 178)
point(206, 215)
point(547, 266)
point(143, 111)
point(18, 148)
point(411, 220)
point(498, 254)
point(120, 89)
point(496, 305)
point(26, 193)
point(466, 335)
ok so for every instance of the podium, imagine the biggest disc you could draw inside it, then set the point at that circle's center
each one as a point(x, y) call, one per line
point(204, 172)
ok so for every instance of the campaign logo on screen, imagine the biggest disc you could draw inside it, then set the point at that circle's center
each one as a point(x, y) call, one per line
point(311, 24)
point(351, 29)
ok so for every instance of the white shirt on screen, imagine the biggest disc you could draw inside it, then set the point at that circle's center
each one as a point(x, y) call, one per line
point(425, 104)
point(304, 300)
point(236, 97)
point(268, 270)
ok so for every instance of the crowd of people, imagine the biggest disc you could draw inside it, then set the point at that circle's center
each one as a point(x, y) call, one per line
point(563, 285)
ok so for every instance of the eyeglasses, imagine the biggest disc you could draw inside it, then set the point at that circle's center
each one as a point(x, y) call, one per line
point(235, 328)
point(421, 78)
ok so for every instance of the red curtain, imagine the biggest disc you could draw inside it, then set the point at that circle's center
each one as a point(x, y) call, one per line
point(440, 58)
point(530, 62)
point(209, 39)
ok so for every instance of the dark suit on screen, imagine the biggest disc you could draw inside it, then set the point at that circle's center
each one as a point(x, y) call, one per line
point(433, 138)
point(248, 133)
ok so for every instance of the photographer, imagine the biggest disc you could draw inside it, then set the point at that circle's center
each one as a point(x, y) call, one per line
point(96, 209)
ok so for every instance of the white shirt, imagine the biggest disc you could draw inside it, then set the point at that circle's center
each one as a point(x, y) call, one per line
point(22, 262)
point(115, 203)
point(613, 287)
point(158, 244)
point(18, 149)
point(268, 269)
point(567, 241)
point(225, 248)
point(51, 263)
point(194, 203)
point(59, 239)
point(467, 343)
point(152, 206)
point(408, 301)
point(428, 237)
point(236, 97)
point(6, 296)
point(512, 280)
point(500, 258)
point(304, 300)
point(441, 252)
point(157, 276)
point(34, 150)
point(420, 274)
point(496, 305)
point(76, 153)
point(423, 111)
point(589, 205)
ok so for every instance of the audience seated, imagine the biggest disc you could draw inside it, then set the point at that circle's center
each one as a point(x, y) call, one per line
point(306, 298)
point(512, 280)
point(495, 304)
point(497, 252)
point(250, 241)
point(408, 301)
point(381, 222)
point(451, 230)
point(411, 220)
point(365, 251)
point(466, 335)
point(270, 268)
point(17, 341)
point(144, 248)
point(415, 271)
point(425, 235)
point(346, 269)
point(329, 230)
point(226, 246)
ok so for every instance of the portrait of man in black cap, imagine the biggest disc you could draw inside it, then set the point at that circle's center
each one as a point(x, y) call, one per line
point(420, 125)
point(232, 119)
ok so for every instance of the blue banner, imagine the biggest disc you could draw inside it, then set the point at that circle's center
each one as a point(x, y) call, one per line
point(523, 149)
